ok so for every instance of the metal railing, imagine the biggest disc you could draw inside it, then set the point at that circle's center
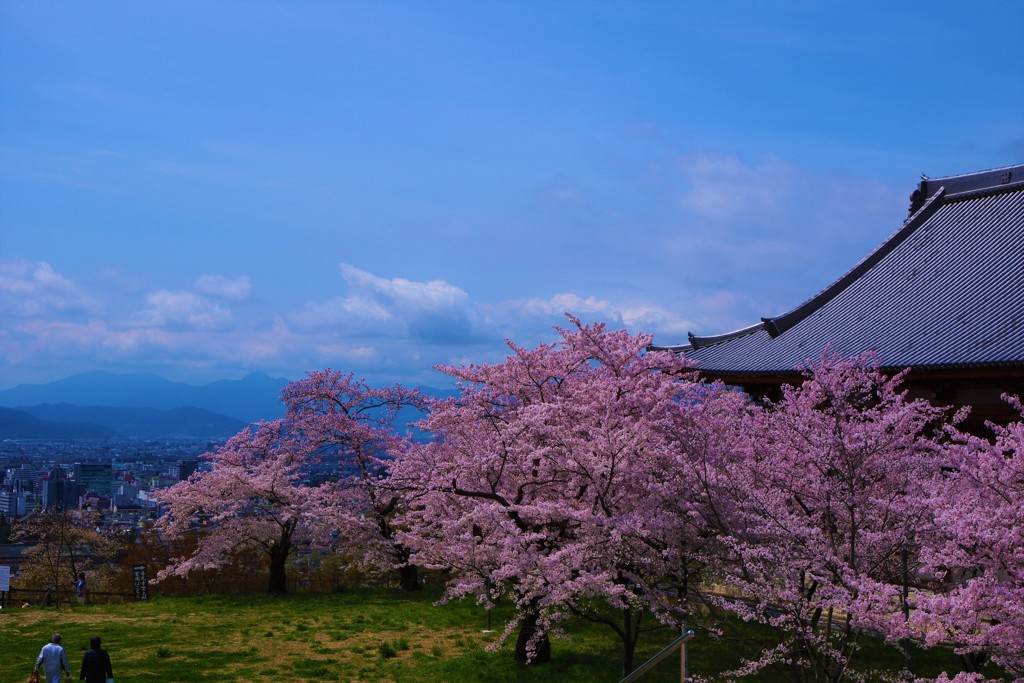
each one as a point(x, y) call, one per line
point(680, 643)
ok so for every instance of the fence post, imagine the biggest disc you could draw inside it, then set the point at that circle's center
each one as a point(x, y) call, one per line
point(682, 660)
point(679, 642)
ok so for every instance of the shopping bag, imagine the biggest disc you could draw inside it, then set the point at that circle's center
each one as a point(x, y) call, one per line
point(34, 676)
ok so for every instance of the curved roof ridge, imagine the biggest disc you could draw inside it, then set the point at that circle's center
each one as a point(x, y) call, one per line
point(945, 290)
point(780, 323)
point(982, 191)
point(972, 174)
point(979, 181)
point(674, 348)
point(700, 342)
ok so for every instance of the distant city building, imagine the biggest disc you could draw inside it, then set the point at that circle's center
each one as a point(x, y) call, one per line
point(15, 503)
point(184, 469)
point(117, 477)
point(124, 493)
point(95, 501)
point(59, 491)
point(24, 478)
point(93, 477)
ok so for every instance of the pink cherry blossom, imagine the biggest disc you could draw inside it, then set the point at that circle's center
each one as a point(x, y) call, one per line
point(546, 483)
point(977, 551)
point(256, 494)
point(253, 497)
point(818, 502)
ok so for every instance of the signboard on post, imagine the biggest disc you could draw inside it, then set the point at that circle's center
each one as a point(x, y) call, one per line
point(5, 585)
point(141, 583)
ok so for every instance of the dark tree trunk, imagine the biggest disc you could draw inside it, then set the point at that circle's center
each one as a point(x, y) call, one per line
point(527, 629)
point(409, 577)
point(279, 552)
point(278, 584)
point(628, 656)
point(973, 661)
point(629, 638)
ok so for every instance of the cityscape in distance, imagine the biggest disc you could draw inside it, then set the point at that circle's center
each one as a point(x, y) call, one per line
point(105, 441)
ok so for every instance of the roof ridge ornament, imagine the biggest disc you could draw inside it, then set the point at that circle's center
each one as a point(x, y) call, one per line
point(918, 196)
point(980, 181)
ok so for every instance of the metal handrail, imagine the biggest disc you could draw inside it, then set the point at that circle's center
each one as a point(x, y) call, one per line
point(679, 642)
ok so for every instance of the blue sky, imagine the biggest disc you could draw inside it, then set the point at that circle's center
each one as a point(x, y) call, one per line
point(206, 189)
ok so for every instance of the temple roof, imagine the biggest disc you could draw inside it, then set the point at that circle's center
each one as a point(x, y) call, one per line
point(945, 290)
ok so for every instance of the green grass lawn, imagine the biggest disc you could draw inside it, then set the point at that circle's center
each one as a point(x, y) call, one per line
point(366, 635)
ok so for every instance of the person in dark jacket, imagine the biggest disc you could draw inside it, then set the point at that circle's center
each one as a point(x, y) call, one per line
point(95, 664)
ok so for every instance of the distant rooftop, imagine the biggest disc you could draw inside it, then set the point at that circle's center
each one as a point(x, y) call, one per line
point(946, 290)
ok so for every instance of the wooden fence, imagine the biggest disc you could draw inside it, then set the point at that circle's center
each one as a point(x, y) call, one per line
point(16, 597)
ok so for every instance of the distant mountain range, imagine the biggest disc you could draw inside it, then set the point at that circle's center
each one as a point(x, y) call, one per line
point(19, 424)
point(95, 405)
point(255, 397)
point(64, 421)
point(108, 405)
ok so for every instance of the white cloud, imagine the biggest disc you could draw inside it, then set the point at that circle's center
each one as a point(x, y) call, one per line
point(433, 312)
point(95, 337)
point(31, 288)
point(534, 317)
point(655, 319)
point(183, 310)
point(402, 294)
point(349, 312)
point(220, 287)
point(555, 306)
point(722, 187)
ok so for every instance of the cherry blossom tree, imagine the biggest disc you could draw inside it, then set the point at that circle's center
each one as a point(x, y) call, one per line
point(978, 551)
point(820, 508)
point(258, 496)
point(348, 422)
point(543, 481)
point(254, 497)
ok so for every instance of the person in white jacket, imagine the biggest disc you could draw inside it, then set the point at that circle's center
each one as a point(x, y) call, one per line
point(54, 660)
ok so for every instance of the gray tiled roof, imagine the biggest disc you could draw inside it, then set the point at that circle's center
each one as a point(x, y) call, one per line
point(945, 290)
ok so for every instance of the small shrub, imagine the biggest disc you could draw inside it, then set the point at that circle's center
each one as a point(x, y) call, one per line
point(402, 644)
point(163, 652)
point(436, 651)
point(387, 650)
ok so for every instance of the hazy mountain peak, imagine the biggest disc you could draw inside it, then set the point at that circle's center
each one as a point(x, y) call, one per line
point(255, 397)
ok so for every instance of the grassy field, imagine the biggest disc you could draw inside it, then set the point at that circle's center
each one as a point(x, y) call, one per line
point(356, 636)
